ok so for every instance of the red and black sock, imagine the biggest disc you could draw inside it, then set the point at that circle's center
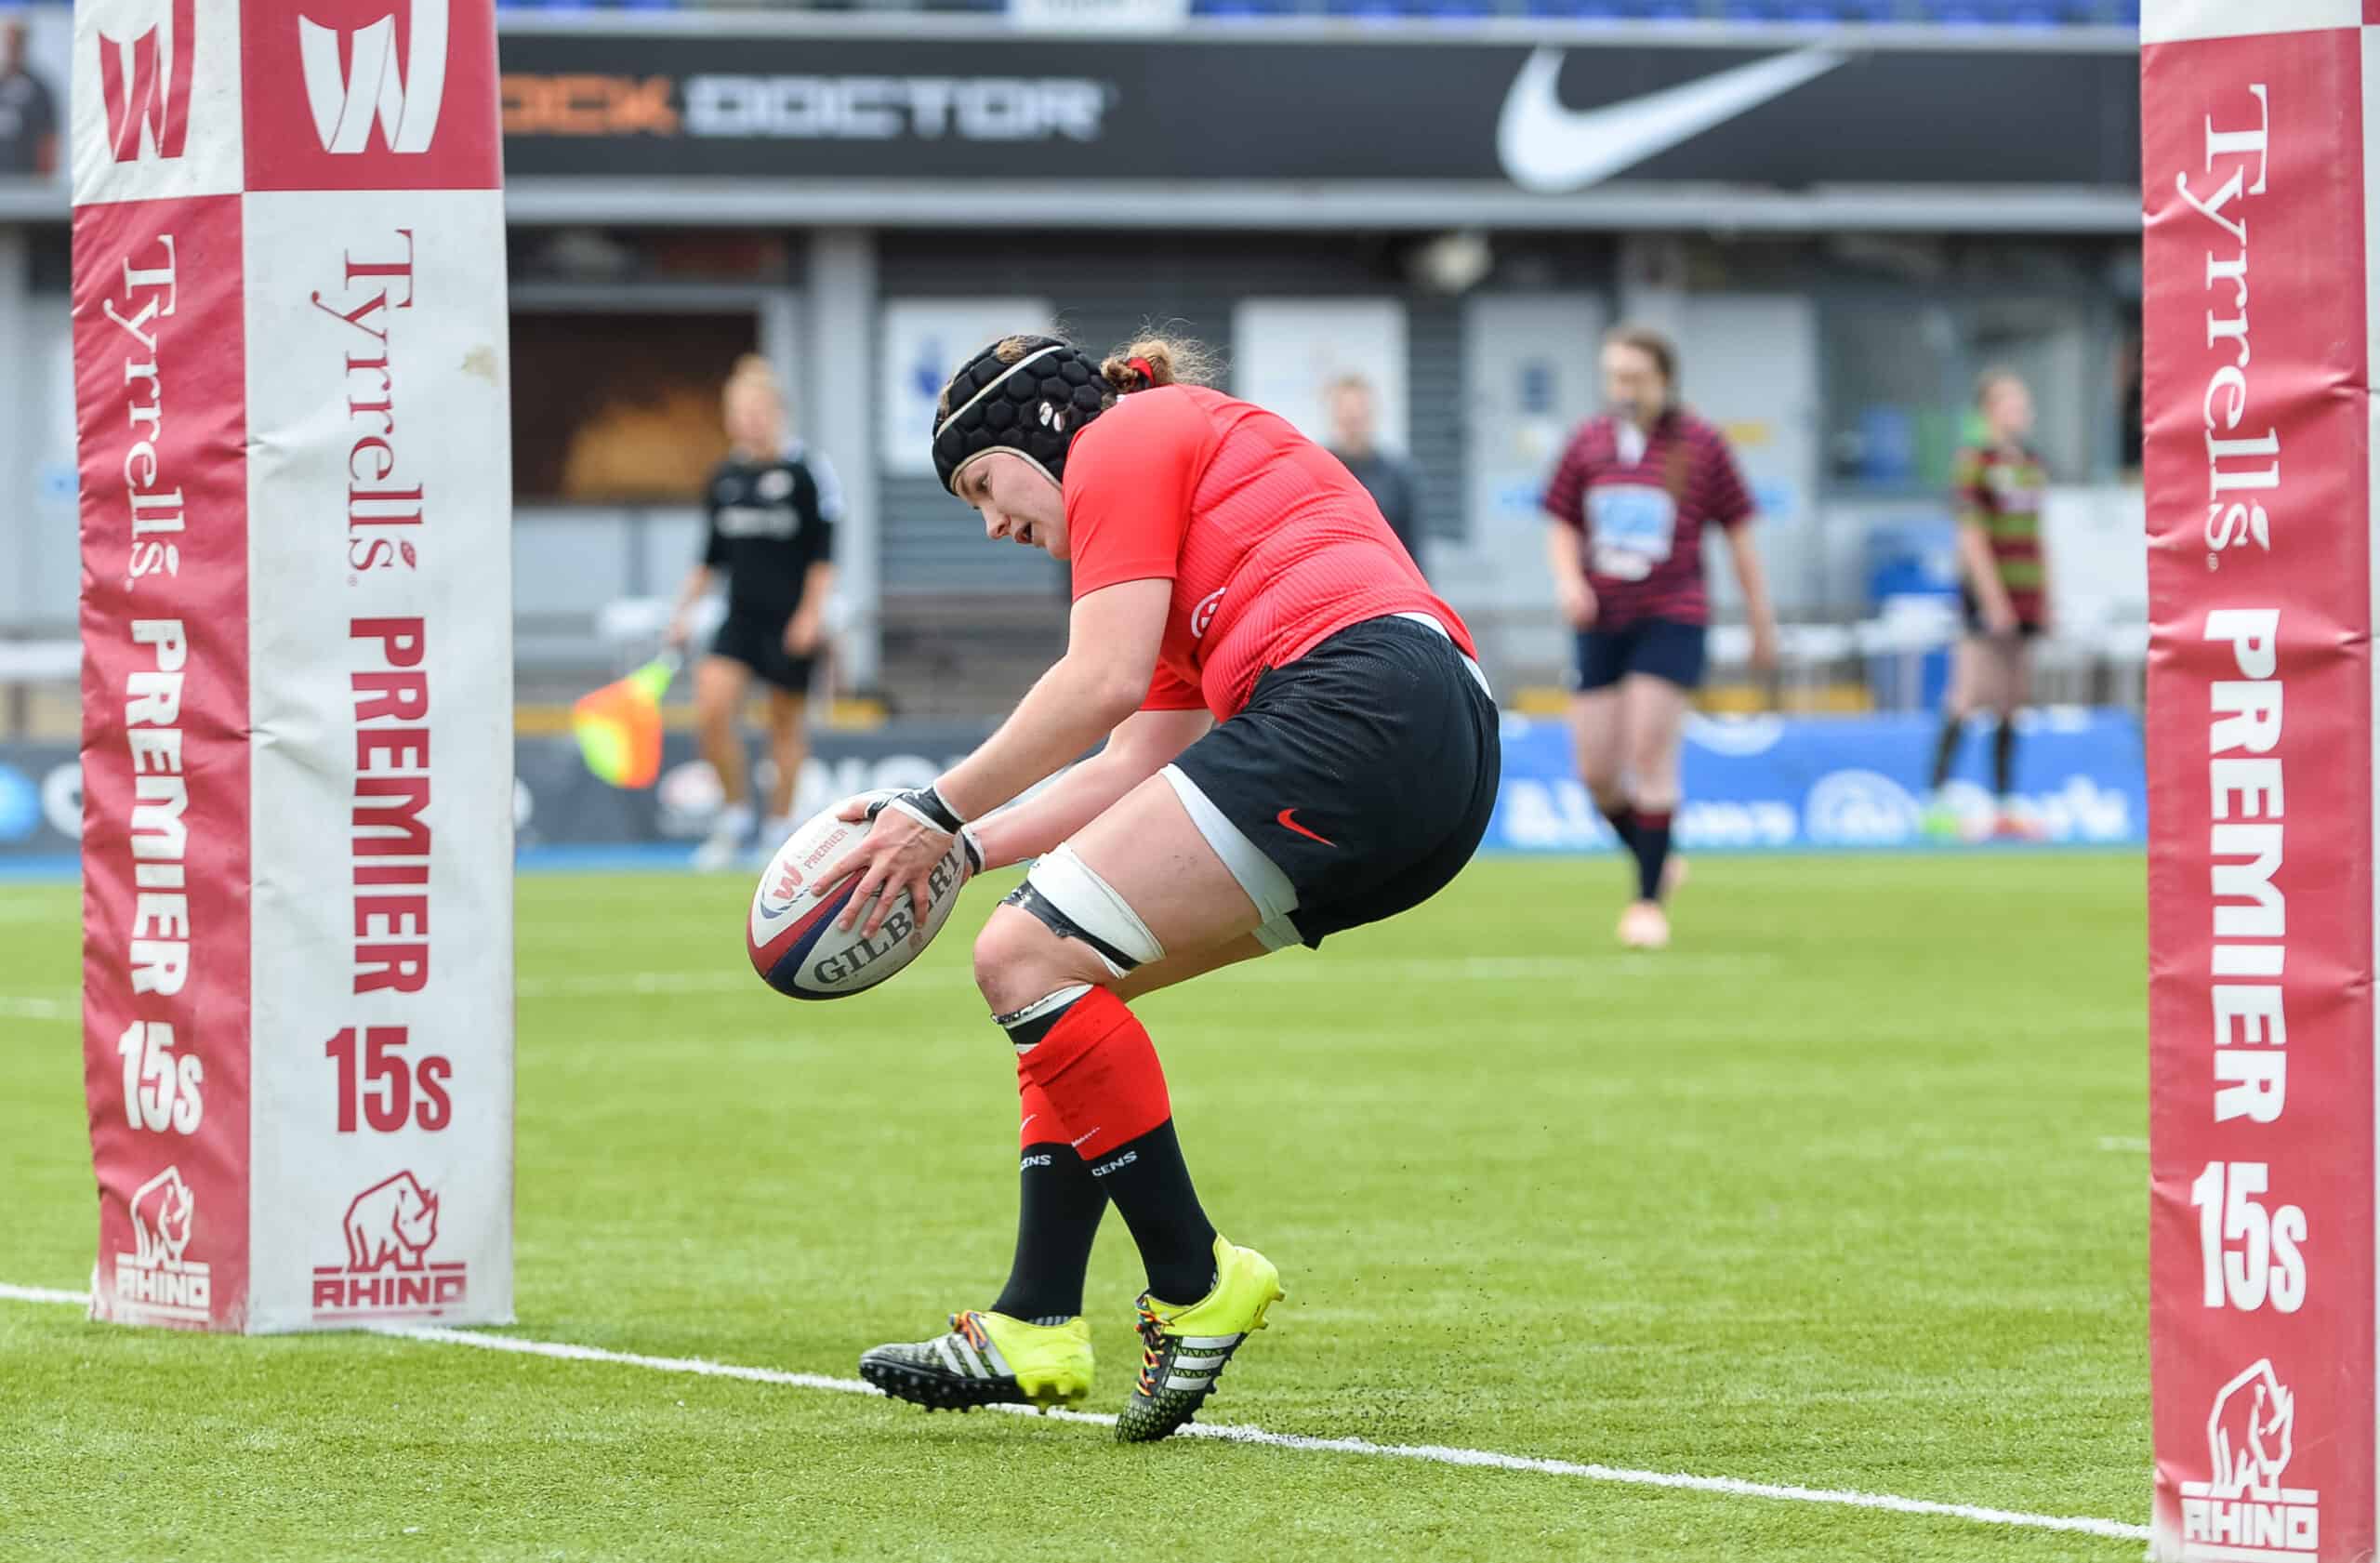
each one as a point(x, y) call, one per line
point(2004, 759)
point(1651, 844)
point(1622, 817)
point(1058, 1208)
point(1098, 1071)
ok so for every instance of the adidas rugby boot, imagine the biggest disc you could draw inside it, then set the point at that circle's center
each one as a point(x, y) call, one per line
point(1184, 1348)
point(987, 1358)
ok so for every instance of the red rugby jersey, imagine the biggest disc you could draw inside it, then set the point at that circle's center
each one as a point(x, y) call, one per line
point(1270, 544)
point(1642, 520)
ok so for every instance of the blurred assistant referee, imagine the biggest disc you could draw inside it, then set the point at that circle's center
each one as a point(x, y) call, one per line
point(772, 510)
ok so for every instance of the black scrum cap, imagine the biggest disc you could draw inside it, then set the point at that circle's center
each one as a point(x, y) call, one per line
point(1033, 406)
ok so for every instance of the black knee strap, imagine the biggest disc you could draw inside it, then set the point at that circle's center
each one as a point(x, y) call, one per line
point(1028, 899)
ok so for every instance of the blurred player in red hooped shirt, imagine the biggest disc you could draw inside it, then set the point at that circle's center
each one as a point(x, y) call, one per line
point(1298, 741)
point(1629, 503)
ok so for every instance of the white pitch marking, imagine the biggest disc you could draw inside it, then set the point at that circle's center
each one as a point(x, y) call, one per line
point(38, 1009)
point(1477, 968)
point(610, 986)
point(1434, 1454)
point(2132, 1143)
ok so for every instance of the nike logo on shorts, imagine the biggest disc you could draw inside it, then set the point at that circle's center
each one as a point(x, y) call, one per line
point(1289, 824)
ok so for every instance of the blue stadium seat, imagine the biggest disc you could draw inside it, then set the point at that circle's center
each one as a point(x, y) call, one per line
point(1992, 13)
point(1587, 10)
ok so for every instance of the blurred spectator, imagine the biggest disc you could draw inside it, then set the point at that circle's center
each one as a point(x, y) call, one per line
point(2128, 406)
point(28, 109)
point(1355, 419)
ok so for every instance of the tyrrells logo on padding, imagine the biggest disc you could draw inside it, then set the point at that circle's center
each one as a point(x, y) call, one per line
point(371, 85)
point(145, 82)
point(1551, 149)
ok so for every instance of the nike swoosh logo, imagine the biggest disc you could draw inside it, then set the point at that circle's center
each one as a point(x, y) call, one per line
point(1289, 823)
point(1548, 149)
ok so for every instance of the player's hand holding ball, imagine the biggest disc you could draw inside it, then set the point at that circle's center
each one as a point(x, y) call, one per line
point(911, 832)
point(836, 910)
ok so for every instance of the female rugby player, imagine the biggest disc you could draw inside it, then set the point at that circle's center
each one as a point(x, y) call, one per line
point(2004, 570)
point(772, 510)
point(1629, 503)
point(1298, 741)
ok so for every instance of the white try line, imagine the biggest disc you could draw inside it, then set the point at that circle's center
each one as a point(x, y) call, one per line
point(1289, 969)
point(1433, 1453)
point(728, 978)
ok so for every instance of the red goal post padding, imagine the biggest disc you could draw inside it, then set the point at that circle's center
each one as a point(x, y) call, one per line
point(291, 390)
point(2257, 373)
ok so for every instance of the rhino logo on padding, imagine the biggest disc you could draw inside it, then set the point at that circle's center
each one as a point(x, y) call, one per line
point(2249, 1437)
point(392, 1222)
point(161, 1213)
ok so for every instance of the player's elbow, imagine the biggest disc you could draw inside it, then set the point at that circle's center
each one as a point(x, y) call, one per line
point(1108, 691)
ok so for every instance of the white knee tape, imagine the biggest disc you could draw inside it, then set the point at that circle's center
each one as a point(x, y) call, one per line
point(1279, 933)
point(1091, 904)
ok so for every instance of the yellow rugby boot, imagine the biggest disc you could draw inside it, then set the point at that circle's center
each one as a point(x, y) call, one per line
point(987, 1358)
point(1183, 1347)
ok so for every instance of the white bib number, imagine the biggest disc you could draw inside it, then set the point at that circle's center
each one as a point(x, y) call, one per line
point(1634, 528)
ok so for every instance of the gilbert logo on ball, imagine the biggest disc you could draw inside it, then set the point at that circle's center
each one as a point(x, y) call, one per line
point(792, 935)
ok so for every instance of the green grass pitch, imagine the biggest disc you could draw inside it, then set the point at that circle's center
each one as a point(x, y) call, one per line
point(1845, 1190)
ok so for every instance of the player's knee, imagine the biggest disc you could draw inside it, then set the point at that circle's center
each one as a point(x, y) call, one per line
point(1018, 960)
point(1600, 771)
point(1654, 768)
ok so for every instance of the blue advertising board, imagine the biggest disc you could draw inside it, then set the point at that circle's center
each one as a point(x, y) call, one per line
point(1753, 784)
point(1838, 783)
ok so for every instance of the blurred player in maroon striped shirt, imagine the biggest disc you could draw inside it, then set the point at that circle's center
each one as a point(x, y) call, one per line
point(1630, 501)
point(1997, 488)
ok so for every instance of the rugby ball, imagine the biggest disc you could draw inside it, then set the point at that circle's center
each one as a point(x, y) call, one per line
point(791, 933)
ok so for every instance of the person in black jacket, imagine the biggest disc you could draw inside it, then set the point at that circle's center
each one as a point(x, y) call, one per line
point(1388, 478)
point(772, 510)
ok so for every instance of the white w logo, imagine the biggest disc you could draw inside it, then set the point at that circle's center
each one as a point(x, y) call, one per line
point(407, 104)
